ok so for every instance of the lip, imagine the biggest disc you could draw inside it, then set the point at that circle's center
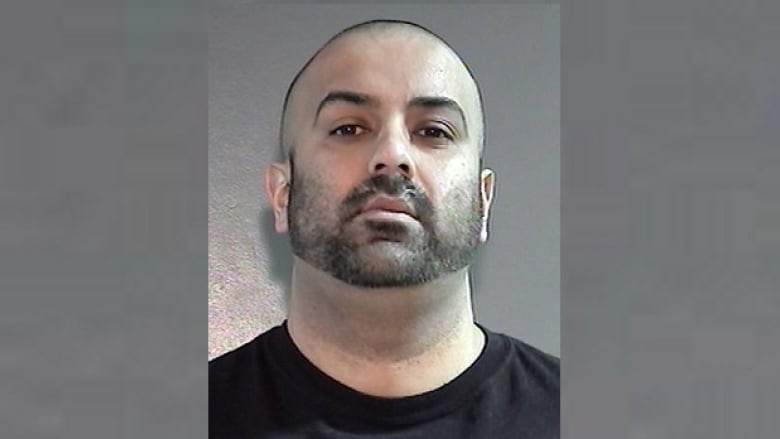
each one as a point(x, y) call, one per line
point(385, 203)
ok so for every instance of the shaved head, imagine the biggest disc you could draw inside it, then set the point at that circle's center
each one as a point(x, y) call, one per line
point(370, 30)
point(384, 110)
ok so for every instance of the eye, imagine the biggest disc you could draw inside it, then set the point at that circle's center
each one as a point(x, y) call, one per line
point(347, 130)
point(435, 133)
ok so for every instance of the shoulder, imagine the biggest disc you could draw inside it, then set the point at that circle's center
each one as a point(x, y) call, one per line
point(523, 389)
point(240, 364)
point(229, 360)
point(239, 389)
point(238, 379)
point(537, 366)
point(535, 356)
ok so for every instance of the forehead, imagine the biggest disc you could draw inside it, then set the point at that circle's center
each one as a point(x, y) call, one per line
point(393, 67)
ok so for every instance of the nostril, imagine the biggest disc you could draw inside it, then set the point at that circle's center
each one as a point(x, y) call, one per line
point(379, 166)
point(404, 167)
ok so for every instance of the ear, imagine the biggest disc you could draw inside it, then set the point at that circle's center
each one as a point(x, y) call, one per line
point(487, 188)
point(277, 187)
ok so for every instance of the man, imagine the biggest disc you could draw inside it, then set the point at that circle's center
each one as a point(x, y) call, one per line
point(385, 199)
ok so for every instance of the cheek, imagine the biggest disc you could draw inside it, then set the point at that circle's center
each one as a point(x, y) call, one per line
point(343, 178)
point(326, 165)
point(339, 170)
point(448, 181)
point(324, 189)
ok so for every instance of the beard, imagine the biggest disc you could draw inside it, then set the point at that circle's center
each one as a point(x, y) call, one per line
point(396, 254)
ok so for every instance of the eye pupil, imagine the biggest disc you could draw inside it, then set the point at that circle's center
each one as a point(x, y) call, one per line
point(346, 130)
point(434, 132)
point(352, 130)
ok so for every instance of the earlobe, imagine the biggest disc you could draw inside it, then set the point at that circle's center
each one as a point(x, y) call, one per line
point(487, 189)
point(277, 188)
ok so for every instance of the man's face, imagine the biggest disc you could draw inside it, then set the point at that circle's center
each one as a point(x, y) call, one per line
point(385, 173)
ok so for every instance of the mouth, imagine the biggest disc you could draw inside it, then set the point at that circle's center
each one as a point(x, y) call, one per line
point(383, 206)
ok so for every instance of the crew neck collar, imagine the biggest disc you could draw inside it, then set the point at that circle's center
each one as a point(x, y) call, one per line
point(334, 397)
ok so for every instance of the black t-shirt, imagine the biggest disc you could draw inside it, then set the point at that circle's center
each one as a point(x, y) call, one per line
point(267, 388)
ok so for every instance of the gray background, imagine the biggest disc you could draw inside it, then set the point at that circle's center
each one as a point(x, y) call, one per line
point(103, 242)
point(670, 226)
point(254, 52)
point(671, 223)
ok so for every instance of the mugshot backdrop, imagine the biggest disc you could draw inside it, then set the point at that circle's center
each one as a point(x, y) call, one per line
point(513, 50)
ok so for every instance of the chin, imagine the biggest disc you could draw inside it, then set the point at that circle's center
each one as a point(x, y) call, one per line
point(386, 255)
point(384, 280)
point(385, 264)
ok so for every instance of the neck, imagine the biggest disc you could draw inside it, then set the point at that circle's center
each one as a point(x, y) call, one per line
point(388, 342)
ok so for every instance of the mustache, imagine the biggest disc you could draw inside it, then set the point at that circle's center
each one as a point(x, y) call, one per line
point(396, 186)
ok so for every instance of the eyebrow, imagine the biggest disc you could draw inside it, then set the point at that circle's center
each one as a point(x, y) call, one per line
point(439, 102)
point(349, 97)
point(361, 99)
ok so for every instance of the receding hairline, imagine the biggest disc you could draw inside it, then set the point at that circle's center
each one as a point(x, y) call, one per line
point(367, 27)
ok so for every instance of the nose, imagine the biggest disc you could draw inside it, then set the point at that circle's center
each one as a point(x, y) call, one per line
point(392, 154)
